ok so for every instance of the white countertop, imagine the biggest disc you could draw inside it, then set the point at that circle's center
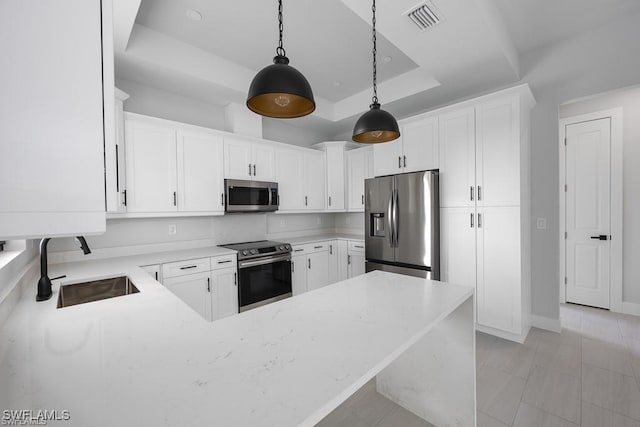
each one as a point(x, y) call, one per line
point(148, 359)
point(322, 238)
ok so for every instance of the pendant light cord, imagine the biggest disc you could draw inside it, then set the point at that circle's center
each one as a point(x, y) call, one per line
point(280, 50)
point(374, 99)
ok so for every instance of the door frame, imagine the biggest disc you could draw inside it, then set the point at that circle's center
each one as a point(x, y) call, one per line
point(615, 273)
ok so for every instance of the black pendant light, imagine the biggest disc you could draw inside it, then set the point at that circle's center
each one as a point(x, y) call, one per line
point(376, 125)
point(279, 90)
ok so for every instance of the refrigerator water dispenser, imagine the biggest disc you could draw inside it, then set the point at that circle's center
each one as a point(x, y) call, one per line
point(377, 225)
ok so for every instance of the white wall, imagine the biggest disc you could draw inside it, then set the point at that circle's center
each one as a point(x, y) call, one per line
point(629, 100)
point(600, 60)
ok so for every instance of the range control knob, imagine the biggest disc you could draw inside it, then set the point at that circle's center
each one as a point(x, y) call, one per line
point(245, 253)
point(253, 251)
point(281, 247)
point(287, 247)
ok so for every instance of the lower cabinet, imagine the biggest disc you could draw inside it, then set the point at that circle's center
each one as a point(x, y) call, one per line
point(317, 269)
point(153, 271)
point(207, 285)
point(355, 258)
point(298, 274)
point(334, 259)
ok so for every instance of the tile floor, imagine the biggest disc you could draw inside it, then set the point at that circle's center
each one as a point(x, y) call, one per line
point(588, 375)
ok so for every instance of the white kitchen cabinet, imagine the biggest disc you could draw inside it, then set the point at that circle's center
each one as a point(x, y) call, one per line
point(114, 159)
point(314, 181)
point(359, 168)
point(199, 168)
point(249, 159)
point(484, 193)
point(57, 90)
point(318, 269)
point(334, 260)
point(224, 292)
point(355, 258)
point(415, 150)
point(335, 174)
point(298, 274)
point(152, 184)
point(154, 271)
point(343, 266)
point(457, 158)
point(289, 176)
point(194, 290)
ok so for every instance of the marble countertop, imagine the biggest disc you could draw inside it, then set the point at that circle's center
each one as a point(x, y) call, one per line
point(322, 237)
point(148, 359)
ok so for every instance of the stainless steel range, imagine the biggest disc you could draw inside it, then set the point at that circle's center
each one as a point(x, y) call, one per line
point(264, 272)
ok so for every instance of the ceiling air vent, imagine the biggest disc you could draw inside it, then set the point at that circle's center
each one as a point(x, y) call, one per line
point(425, 15)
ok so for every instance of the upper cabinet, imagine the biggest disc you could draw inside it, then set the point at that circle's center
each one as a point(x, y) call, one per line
point(359, 167)
point(300, 174)
point(248, 159)
point(57, 88)
point(415, 150)
point(114, 159)
point(335, 173)
point(172, 168)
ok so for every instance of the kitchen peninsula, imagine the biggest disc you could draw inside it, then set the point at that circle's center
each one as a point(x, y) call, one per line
point(148, 359)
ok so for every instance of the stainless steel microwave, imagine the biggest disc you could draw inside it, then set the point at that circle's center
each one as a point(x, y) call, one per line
point(250, 196)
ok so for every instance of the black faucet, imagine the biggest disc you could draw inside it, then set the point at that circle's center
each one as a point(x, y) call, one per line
point(44, 284)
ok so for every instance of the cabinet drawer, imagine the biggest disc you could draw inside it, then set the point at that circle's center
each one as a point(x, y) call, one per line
point(299, 250)
point(356, 246)
point(180, 268)
point(224, 261)
point(318, 247)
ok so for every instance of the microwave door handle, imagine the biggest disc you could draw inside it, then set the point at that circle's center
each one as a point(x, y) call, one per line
point(270, 196)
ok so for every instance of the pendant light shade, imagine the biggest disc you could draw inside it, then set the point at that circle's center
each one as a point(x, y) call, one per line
point(279, 90)
point(376, 125)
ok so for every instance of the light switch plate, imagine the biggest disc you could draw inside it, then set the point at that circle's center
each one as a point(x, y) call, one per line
point(541, 223)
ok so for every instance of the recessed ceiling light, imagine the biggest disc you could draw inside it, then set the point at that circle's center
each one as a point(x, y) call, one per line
point(387, 59)
point(193, 15)
point(336, 84)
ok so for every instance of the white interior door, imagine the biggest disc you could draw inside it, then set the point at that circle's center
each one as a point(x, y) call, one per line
point(588, 212)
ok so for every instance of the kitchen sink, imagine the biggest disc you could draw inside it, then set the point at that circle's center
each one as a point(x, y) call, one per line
point(96, 290)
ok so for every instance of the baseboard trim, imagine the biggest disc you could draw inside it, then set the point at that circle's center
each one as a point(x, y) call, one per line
point(631, 308)
point(519, 338)
point(546, 323)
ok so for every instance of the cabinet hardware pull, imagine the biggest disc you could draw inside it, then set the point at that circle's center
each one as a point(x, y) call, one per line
point(330, 249)
point(249, 169)
point(222, 199)
point(117, 170)
point(309, 263)
point(405, 161)
point(479, 220)
point(208, 284)
point(293, 266)
point(399, 162)
point(224, 262)
point(278, 199)
point(175, 198)
point(600, 237)
point(318, 247)
point(472, 220)
point(235, 278)
point(188, 267)
point(363, 199)
point(358, 246)
point(329, 200)
point(298, 250)
point(471, 193)
point(254, 169)
point(156, 275)
point(124, 193)
point(348, 259)
point(479, 193)
point(305, 200)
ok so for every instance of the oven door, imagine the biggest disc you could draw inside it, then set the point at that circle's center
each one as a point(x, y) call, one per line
point(251, 196)
point(263, 280)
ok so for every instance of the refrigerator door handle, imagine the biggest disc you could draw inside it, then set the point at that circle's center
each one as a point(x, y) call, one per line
point(390, 219)
point(396, 228)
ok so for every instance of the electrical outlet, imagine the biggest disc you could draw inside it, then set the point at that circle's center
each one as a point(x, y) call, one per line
point(541, 223)
point(173, 230)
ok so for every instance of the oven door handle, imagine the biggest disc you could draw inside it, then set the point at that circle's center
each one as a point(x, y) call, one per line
point(263, 261)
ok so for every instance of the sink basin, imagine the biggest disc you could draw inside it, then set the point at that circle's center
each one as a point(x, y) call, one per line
point(96, 290)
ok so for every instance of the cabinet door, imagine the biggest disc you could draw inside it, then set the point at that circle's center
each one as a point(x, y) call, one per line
point(314, 178)
point(194, 290)
point(299, 274)
point(498, 153)
point(334, 269)
point(499, 280)
point(368, 163)
point(200, 174)
point(356, 264)
point(387, 158)
point(335, 178)
point(237, 158)
point(317, 270)
point(420, 145)
point(457, 158)
point(356, 175)
point(114, 163)
point(153, 271)
point(458, 246)
point(289, 175)
point(224, 293)
point(343, 267)
point(151, 167)
point(264, 162)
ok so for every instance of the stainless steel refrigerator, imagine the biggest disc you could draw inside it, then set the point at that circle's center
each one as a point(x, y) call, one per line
point(402, 224)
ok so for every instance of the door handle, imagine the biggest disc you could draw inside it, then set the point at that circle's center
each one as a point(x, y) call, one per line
point(363, 199)
point(396, 224)
point(329, 200)
point(330, 249)
point(208, 284)
point(479, 220)
point(235, 278)
point(305, 200)
point(348, 259)
point(600, 237)
point(390, 220)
